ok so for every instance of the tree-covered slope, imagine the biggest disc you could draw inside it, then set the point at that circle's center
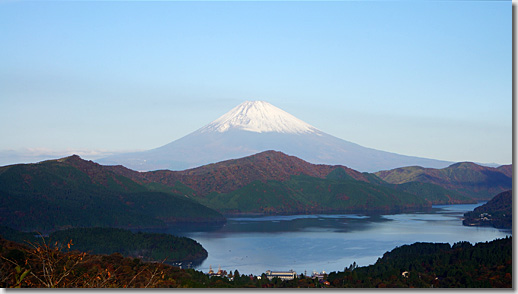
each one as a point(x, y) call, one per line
point(497, 212)
point(273, 182)
point(305, 194)
point(149, 246)
point(49, 266)
point(433, 193)
point(230, 175)
point(469, 179)
point(436, 265)
point(71, 192)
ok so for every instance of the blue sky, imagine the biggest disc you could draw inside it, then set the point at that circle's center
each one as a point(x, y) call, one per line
point(423, 78)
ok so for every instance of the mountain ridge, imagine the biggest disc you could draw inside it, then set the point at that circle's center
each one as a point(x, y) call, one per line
point(468, 178)
point(263, 166)
point(233, 185)
point(74, 192)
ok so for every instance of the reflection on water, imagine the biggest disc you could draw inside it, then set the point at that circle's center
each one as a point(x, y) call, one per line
point(327, 242)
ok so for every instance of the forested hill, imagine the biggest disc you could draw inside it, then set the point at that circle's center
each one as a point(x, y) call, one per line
point(467, 178)
point(230, 175)
point(72, 192)
point(498, 212)
point(436, 265)
point(272, 182)
point(147, 246)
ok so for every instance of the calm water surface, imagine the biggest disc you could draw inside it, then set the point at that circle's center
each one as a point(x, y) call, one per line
point(253, 245)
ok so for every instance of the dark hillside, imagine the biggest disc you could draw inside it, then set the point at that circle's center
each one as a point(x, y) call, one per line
point(148, 246)
point(49, 266)
point(435, 265)
point(498, 212)
point(71, 192)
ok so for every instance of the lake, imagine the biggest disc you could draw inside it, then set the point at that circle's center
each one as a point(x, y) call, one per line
point(324, 242)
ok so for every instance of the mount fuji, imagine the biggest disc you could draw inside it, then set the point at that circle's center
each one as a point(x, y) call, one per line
point(256, 126)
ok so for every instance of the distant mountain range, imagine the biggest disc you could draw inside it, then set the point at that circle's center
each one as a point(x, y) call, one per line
point(71, 192)
point(257, 126)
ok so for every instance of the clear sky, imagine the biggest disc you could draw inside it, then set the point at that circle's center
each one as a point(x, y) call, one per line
point(422, 78)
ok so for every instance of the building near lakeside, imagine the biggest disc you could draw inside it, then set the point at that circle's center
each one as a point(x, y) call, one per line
point(283, 275)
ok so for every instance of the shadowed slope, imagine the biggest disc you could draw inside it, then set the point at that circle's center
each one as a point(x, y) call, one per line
point(72, 192)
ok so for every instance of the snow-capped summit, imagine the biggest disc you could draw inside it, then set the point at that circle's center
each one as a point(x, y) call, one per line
point(259, 117)
point(257, 126)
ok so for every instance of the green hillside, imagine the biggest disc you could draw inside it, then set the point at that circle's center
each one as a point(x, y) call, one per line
point(434, 193)
point(273, 182)
point(71, 192)
point(305, 194)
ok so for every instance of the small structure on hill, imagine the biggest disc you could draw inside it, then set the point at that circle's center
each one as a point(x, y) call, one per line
point(320, 276)
point(289, 275)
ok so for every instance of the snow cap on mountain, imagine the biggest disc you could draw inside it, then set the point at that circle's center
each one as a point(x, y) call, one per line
point(259, 117)
point(256, 126)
